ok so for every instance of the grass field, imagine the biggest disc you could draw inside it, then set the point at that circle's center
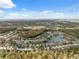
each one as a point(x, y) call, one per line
point(54, 54)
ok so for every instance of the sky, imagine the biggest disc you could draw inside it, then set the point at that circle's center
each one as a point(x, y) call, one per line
point(39, 9)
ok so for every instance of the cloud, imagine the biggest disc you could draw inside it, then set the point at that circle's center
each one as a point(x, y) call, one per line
point(7, 4)
point(14, 14)
point(46, 14)
point(34, 15)
point(23, 9)
point(1, 12)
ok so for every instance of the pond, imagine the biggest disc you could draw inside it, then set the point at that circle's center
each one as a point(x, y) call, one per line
point(57, 38)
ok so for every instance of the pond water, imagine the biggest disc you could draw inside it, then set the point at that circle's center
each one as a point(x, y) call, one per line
point(58, 38)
